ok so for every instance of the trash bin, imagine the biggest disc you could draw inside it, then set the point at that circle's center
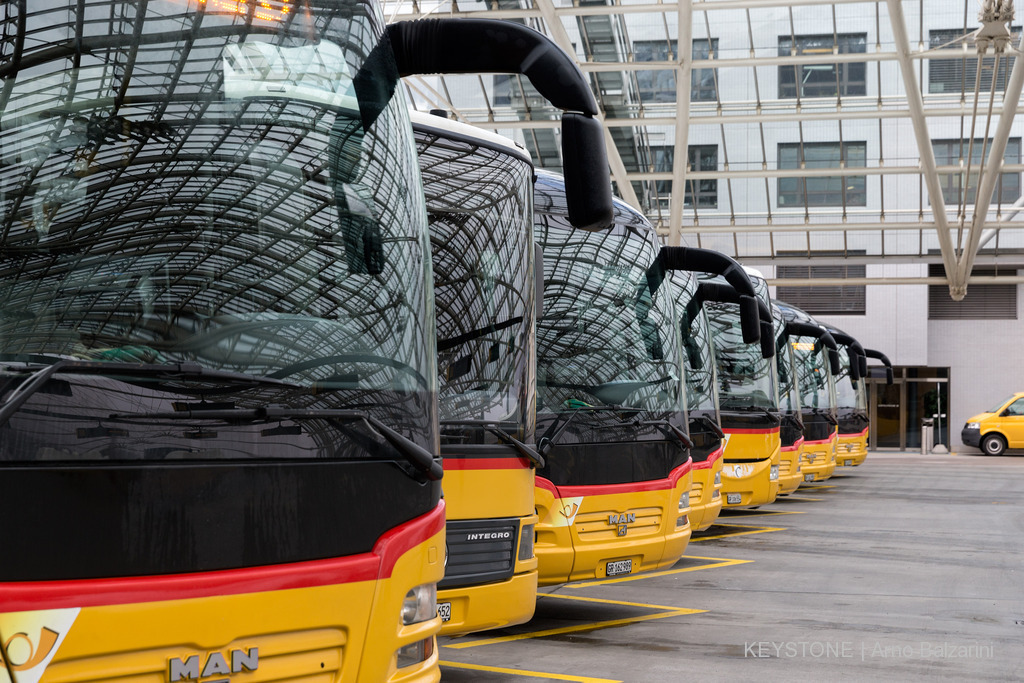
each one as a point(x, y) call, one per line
point(927, 435)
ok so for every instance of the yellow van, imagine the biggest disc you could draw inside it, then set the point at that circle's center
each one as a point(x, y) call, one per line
point(998, 429)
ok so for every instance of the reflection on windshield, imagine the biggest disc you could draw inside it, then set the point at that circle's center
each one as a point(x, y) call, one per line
point(744, 377)
point(237, 204)
point(817, 390)
point(480, 207)
point(698, 351)
point(605, 338)
point(849, 392)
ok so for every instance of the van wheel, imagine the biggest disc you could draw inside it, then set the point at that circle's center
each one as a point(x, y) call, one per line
point(993, 444)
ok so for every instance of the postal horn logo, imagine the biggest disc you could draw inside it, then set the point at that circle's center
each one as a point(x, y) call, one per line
point(564, 511)
point(739, 471)
point(30, 640)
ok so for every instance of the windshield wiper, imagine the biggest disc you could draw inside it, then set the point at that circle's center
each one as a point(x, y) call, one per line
point(525, 450)
point(38, 378)
point(794, 419)
point(681, 437)
point(545, 442)
point(711, 425)
point(827, 414)
point(417, 456)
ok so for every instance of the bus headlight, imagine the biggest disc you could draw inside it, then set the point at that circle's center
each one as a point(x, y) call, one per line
point(718, 478)
point(684, 500)
point(973, 425)
point(420, 604)
point(773, 474)
point(414, 653)
point(526, 543)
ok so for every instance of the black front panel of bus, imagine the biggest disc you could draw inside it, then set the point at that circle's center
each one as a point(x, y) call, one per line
point(789, 433)
point(705, 441)
point(106, 521)
point(852, 422)
point(817, 427)
point(759, 419)
point(595, 464)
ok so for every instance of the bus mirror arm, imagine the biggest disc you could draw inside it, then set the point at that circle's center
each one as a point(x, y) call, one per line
point(755, 318)
point(878, 355)
point(477, 46)
point(698, 260)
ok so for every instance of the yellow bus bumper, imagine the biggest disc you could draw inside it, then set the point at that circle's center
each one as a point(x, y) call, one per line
point(819, 459)
point(492, 605)
point(790, 473)
point(579, 535)
point(852, 450)
point(705, 494)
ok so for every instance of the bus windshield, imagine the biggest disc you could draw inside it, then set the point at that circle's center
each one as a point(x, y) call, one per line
point(789, 397)
point(698, 351)
point(230, 196)
point(480, 207)
point(605, 339)
point(849, 394)
point(817, 390)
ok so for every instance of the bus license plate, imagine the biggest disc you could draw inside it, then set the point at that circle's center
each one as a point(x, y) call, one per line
point(808, 477)
point(733, 498)
point(619, 567)
point(848, 463)
point(444, 610)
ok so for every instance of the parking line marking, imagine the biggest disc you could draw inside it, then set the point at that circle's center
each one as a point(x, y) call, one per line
point(737, 514)
point(592, 626)
point(753, 530)
point(606, 601)
point(716, 562)
point(524, 672)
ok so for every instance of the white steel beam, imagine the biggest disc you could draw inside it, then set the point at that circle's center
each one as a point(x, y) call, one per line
point(618, 169)
point(846, 282)
point(681, 154)
point(992, 173)
point(817, 173)
point(837, 226)
point(924, 144)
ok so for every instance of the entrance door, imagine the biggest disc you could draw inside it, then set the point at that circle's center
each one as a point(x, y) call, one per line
point(888, 420)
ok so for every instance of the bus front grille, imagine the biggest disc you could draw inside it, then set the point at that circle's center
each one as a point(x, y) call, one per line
point(480, 551)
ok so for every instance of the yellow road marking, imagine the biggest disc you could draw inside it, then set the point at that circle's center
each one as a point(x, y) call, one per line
point(593, 626)
point(524, 672)
point(753, 530)
point(716, 562)
point(757, 513)
point(605, 601)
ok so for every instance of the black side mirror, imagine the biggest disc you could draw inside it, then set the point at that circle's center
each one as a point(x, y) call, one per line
point(767, 339)
point(835, 364)
point(588, 189)
point(862, 365)
point(749, 319)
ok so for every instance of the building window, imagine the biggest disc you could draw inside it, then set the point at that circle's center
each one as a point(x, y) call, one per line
point(824, 300)
point(954, 153)
point(982, 302)
point(660, 86)
point(823, 190)
point(958, 75)
point(823, 80)
point(702, 158)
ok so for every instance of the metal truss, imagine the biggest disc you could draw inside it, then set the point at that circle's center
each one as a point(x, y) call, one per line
point(775, 87)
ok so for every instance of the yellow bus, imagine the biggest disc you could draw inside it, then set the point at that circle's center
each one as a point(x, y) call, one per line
point(613, 495)
point(791, 431)
point(816, 357)
point(747, 395)
point(851, 401)
point(479, 192)
point(220, 377)
point(699, 362)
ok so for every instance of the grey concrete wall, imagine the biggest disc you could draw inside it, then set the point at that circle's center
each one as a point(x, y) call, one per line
point(984, 357)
